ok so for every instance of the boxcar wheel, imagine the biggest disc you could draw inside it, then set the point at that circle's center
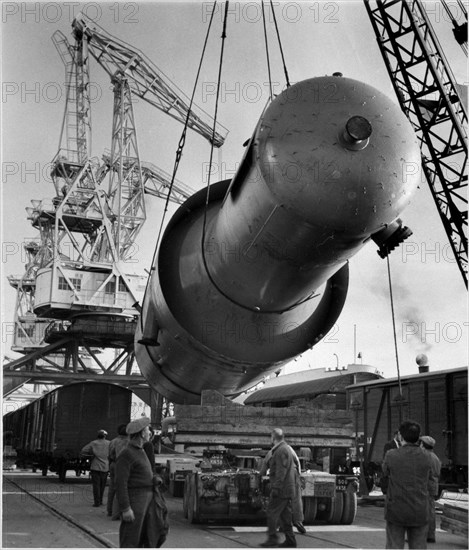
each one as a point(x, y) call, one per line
point(350, 508)
point(310, 507)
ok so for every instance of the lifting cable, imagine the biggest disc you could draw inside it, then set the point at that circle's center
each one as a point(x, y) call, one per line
point(182, 140)
point(179, 151)
point(267, 52)
point(459, 31)
point(395, 336)
point(220, 66)
point(280, 45)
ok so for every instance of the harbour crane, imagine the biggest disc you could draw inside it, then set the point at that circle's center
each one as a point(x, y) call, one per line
point(88, 230)
point(433, 102)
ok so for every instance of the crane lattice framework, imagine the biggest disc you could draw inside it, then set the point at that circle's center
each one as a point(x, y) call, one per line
point(76, 279)
point(433, 102)
point(145, 79)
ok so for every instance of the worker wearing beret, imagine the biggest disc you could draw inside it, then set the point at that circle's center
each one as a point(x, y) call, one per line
point(428, 443)
point(142, 508)
point(98, 451)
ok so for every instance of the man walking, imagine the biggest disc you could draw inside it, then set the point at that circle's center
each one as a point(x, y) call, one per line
point(282, 474)
point(98, 451)
point(407, 471)
point(428, 443)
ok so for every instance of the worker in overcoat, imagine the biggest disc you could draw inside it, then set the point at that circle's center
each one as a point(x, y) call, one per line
point(428, 443)
point(297, 501)
point(141, 504)
point(282, 475)
point(407, 472)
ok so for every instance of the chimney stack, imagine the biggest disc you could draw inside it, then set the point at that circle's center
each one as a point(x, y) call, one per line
point(422, 362)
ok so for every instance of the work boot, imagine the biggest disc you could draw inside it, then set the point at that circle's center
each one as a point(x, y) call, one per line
point(269, 543)
point(300, 527)
point(289, 542)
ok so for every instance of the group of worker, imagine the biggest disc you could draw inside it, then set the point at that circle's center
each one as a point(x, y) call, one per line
point(134, 493)
point(410, 477)
point(411, 472)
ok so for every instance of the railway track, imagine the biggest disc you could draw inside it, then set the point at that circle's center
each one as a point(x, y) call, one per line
point(96, 540)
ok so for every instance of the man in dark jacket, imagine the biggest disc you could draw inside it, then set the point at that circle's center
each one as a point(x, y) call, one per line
point(115, 447)
point(142, 508)
point(282, 476)
point(427, 443)
point(408, 473)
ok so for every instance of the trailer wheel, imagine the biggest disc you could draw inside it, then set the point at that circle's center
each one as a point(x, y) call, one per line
point(185, 498)
point(350, 508)
point(310, 508)
point(193, 507)
point(336, 509)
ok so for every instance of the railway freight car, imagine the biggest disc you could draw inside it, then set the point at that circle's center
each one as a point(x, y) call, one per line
point(436, 400)
point(50, 432)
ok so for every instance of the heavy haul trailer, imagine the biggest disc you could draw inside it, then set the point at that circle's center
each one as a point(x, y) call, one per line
point(437, 400)
point(242, 494)
point(234, 438)
point(49, 433)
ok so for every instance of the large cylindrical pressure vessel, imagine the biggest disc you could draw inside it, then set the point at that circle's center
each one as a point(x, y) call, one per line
point(257, 274)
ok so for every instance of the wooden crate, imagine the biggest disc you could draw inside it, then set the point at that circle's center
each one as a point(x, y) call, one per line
point(454, 518)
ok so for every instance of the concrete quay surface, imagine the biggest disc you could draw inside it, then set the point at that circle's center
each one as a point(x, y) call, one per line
point(70, 521)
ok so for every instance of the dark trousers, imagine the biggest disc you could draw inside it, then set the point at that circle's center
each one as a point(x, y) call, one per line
point(111, 492)
point(98, 479)
point(279, 510)
point(431, 518)
point(145, 531)
point(297, 502)
point(395, 535)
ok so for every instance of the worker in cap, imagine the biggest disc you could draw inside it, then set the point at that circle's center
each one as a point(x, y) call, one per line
point(142, 508)
point(98, 451)
point(428, 443)
point(137, 426)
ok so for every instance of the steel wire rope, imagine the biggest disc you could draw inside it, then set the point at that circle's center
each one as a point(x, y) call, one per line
point(179, 151)
point(395, 337)
point(207, 197)
point(459, 31)
point(267, 52)
point(280, 46)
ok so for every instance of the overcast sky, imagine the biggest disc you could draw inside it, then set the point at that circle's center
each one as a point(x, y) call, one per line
point(318, 38)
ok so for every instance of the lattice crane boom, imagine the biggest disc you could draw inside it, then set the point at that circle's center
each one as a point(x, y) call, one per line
point(145, 79)
point(430, 97)
point(75, 135)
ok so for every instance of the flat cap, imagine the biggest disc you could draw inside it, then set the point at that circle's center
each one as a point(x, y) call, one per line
point(428, 441)
point(137, 425)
